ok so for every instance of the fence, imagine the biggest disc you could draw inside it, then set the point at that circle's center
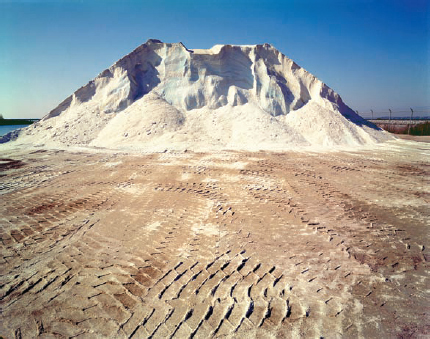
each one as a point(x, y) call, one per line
point(414, 121)
point(411, 114)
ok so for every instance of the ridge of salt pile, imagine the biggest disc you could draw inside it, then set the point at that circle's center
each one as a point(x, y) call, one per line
point(165, 96)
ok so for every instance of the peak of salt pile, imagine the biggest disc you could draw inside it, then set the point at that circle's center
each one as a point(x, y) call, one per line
point(163, 95)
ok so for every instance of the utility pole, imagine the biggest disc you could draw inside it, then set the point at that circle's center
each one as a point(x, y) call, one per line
point(390, 113)
point(410, 121)
point(372, 113)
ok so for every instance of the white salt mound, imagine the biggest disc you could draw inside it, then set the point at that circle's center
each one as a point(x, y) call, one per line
point(165, 96)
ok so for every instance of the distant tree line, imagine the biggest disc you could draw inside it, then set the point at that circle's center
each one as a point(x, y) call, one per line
point(4, 122)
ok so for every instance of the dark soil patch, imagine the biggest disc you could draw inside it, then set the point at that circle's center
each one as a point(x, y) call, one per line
point(6, 164)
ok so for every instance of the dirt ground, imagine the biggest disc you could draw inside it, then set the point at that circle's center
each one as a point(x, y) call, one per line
point(419, 138)
point(229, 244)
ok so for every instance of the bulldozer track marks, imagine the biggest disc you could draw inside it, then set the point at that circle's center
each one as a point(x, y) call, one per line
point(182, 245)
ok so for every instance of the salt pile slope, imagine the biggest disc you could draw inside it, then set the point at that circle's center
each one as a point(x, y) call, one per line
point(163, 95)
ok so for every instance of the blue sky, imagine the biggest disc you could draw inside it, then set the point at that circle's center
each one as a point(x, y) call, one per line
point(375, 54)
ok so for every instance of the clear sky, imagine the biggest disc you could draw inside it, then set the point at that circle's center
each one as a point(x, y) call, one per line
point(374, 53)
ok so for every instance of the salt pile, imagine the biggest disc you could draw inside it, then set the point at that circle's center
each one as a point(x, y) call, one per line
point(165, 96)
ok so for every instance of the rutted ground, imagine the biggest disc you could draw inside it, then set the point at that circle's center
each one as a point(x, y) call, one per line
point(229, 244)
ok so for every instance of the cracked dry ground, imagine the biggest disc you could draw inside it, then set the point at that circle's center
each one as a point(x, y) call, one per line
point(232, 244)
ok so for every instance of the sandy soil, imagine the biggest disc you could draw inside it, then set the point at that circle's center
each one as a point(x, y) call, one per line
point(229, 244)
point(420, 138)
